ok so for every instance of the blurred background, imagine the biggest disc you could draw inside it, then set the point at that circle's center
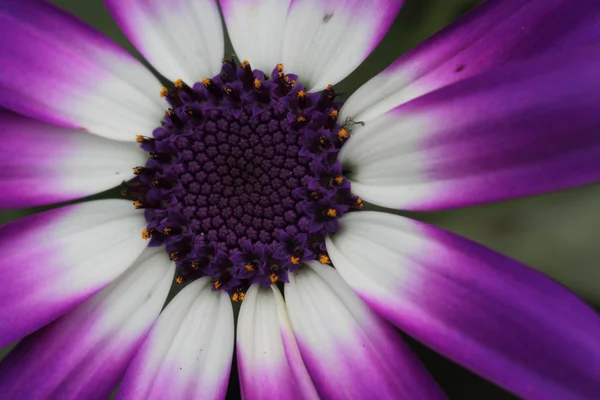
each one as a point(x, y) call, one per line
point(556, 234)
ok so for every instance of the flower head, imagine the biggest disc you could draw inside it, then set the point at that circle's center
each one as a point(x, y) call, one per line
point(248, 176)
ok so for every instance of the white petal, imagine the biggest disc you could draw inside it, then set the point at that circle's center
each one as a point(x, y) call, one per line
point(256, 29)
point(269, 361)
point(188, 352)
point(182, 39)
point(326, 40)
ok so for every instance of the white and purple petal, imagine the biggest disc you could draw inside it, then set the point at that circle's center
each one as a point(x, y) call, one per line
point(55, 260)
point(182, 39)
point(43, 164)
point(55, 68)
point(502, 320)
point(256, 29)
point(496, 32)
point(326, 40)
point(85, 353)
point(188, 352)
point(350, 352)
point(522, 129)
point(269, 361)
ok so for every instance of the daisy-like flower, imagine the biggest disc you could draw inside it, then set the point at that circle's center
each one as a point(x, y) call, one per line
point(249, 184)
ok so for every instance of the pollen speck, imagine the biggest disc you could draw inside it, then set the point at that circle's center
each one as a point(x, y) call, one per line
point(360, 203)
point(342, 134)
point(146, 234)
point(179, 280)
point(332, 212)
point(249, 268)
point(167, 230)
point(164, 91)
point(334, 114)
point(217, 284)
point(206, 82)
point(324, 259)
point(178, 84)
point(339, 180)
point(295, 260)
point(274, 278)
point(257, 84)
point(174, 255)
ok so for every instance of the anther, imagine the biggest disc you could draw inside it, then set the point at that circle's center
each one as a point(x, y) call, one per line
point(332, 212)
point(257, 84)
point(146, 234)
point(338, 180)
point(342, 134)
point(174, 255)
point(273, 278)
point(360, 203)
point(174, 118)
point(195, 265)
point(249, 267)
point(295, 260)
point(212, 88)
point(143, 171)
point(164, 92)
point(238, 296)
point(324, 259)
point(144, 139)
point(138, 204)
point(179, 280)
point(179, 84)
point(217, 284)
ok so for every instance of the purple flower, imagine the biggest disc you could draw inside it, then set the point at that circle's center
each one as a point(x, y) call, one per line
point(252, 176)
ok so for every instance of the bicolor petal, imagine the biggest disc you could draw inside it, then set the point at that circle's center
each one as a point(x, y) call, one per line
point(182, 39)
point(350, 352)
point(55, 260)
point(188, 352)
point(522, 129)
point(256, 29)
point(326, 40)
point(84, 354)
point(55, 68)
point(269, 361)
point(494, 33)
point(502, 320)
point(43, 164)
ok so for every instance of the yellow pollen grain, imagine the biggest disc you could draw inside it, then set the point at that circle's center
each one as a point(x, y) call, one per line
point(301, 119)
point(206, 82)
point(257, 84)
point(217, 284)
point(333, 114)
point(235, 297)
point(195, 265)
point(330, 87)
point(170, 112)
point(174, 256)
point(274, 278)
point(360, 203)
point(164, 92)
point(167, 230)
point(339, 180)
point(301, 94)
point(146, 234)
point(249, 268)
point(332, 212)
point(178, 84)
point(139, 138)
point(179, 280)
point(242, 296)
point(295, 260)
point(138, 204)
point(228, 90)
point(323, 259)
point(245, 64)
point(279, 67)
point(342, 134)
point(137, 170)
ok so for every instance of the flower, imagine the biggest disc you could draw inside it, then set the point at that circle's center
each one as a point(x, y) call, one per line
point(256, 179)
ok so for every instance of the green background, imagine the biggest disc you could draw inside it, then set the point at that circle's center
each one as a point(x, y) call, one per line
point(556, 234)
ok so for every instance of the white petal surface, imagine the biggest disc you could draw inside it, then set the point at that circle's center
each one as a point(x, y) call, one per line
point(42, 163)
point(54, 260)
point(349, 351)
point(84, 354)
point(182, 39)
point(256, 29)
point(326, 40)
point(55, 68)
point(188, 352)
point(269, 361)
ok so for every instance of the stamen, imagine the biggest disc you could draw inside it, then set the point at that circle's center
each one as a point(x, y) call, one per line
point(273, 278)
point(332, 212)
point(164, 92)
point(295, 260)
point(179, 280)
point(146, 234)
point(324, 259)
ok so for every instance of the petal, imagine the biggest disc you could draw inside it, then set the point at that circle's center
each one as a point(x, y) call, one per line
point(522, 129)
point(84, 354)
point(43, 164)
point(326, 40)
point(495, 32)
point(182, 39)
point(188, 352)
point(55, 68)
point(256, 29)
point(349, 351)
point(269, 361)
point(497, 317)
point(54, 260)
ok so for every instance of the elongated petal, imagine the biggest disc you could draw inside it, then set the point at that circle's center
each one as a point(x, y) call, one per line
point(55, 260)
point(524, 129)
point(498, 318)
point(256, 29)
point(182, 39)
point(188, 352)
point(43, 164)
point(84, 354)
point(326, 40)
point(269, 361)
point(496, 32)
point(349, 351)
point(55, 68)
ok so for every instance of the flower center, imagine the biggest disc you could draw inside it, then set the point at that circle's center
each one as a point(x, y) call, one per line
point(242, 183)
